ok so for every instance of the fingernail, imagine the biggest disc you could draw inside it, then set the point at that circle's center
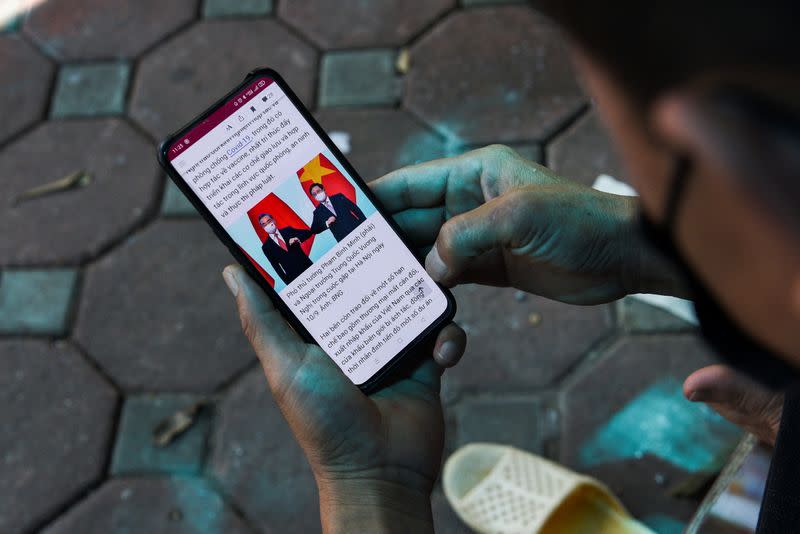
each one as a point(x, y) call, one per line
point(447, 353)
point(230, 281)
point(434, 265)
point(700, 395)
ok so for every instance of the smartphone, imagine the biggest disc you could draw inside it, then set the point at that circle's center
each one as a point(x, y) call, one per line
point(297, 216)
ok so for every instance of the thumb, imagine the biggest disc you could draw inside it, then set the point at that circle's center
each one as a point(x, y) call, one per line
point(721, 384)
point(494, 225)
point(738, 399)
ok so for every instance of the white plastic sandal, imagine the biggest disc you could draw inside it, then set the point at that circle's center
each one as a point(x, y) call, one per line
point(499, 489)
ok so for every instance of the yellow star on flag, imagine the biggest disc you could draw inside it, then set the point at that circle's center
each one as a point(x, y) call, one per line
point(314, 171)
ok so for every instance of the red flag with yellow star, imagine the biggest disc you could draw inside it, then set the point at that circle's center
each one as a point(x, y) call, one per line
point(283, 215)
point(320, 170)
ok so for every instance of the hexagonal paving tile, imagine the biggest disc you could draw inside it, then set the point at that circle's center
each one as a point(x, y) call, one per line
point(99, 29)
point(584, 152)
point(36, 301)
point(638, 384)
point(182, 77)
point(152, 505)
point(353, 78)
point(55, 428)
point(520, 344)
point(493, 75)
point(375, 149)
point(135, 451)
point(258, 462)
point(156, 314)
point(26, 79)
point(519, 421)
point(236, 8)
point(91, 89)
point(353, 23)
point(123, 188)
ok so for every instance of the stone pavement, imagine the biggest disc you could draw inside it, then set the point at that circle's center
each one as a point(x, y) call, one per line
point(113, 313)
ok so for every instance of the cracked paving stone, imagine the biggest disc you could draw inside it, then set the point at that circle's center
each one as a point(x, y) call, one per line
point(156, 315)
point(493, 75)
point(55, 428)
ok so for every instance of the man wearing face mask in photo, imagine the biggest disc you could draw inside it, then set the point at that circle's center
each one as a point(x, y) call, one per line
point(702, 100)
point(335, 213)
point(282, 248)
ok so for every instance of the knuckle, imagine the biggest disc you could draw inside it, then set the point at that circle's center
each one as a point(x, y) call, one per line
point(449, 231)
point(498, 152)
point(513, 207)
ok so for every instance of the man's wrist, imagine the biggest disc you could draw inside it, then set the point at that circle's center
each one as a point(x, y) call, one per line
point(371, 505)
point(646, 269)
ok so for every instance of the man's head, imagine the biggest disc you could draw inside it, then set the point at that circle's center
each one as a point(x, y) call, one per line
point(318, 192)
point(716, 83)
point(267, 222)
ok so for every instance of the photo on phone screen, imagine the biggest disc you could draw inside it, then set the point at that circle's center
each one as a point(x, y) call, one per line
point(308, 227)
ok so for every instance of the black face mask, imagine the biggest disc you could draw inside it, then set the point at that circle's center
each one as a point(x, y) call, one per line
point(725, 337)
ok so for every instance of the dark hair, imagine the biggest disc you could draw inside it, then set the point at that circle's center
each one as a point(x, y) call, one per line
point(651, 47)
point(265, 215)
point(312, 186)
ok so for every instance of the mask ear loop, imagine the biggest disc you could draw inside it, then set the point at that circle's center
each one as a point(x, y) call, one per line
point(680, 177)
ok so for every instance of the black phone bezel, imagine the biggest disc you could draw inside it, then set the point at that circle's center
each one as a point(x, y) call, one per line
point(376, 380)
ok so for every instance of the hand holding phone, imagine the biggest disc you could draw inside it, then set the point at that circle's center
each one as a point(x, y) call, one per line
point(380, 453)
point(300, 220)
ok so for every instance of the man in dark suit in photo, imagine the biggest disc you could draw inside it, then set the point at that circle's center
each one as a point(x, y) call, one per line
point(335, 213)
point(282, 248)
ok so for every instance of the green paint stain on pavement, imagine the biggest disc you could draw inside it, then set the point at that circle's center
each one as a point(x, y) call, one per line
point(201, 508)
point(661, 422)
point(663, 524)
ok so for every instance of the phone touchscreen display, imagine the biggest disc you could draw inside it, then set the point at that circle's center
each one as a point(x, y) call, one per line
point(308, 228)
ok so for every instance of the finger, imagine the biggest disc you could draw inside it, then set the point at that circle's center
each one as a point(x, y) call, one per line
point(719, 384)
point(417, 186)
point(738, 399)
point(499, 223)
point(450, 345)
point(278, 347)
point(421, 225)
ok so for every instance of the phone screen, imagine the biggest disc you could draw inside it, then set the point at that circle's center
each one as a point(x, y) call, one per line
point(308, 227)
